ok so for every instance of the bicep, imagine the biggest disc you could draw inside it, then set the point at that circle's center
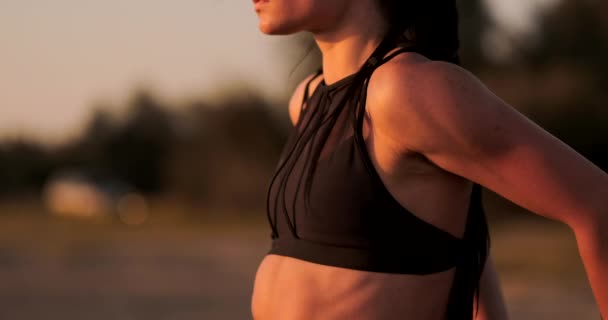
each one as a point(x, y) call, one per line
point(469, 131)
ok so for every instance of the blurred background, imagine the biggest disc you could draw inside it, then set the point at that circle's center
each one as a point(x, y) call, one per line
point(137, 140)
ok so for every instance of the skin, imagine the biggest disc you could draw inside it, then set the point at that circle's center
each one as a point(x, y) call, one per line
point(427, 144)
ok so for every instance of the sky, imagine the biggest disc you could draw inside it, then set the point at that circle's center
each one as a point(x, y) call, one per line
point(61, 59)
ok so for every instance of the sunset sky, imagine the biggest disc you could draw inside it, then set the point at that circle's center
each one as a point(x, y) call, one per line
point(58, 59)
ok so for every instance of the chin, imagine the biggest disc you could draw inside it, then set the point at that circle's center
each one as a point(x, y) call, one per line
point(276, 28)
point(277, 19)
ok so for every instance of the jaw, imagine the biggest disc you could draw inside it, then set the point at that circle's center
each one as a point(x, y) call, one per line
point(283, 17)
point(270, 29)
point(279, 23)
point(274, 27)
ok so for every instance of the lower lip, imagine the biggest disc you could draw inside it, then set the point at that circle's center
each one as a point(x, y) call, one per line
point(260, 3)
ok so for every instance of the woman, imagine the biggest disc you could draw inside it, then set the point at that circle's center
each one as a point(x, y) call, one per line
point(375, 207)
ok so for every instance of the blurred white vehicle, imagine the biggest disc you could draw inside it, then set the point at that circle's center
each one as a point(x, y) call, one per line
point(78, 194)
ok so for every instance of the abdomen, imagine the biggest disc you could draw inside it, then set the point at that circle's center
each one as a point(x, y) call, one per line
point(293, 289)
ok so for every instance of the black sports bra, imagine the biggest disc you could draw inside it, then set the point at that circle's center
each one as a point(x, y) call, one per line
point(327, 204)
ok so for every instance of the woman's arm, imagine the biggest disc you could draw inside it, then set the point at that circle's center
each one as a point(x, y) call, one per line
point(491, 302)
point(442, 111)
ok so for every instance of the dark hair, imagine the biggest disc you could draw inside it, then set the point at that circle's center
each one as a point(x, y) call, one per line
point(431, 26)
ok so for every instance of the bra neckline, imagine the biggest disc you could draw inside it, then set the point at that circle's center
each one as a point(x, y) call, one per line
point(324, 86)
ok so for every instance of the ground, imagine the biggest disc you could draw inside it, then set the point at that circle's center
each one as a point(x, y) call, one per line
point(63, 268)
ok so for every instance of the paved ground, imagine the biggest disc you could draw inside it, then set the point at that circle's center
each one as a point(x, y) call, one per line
point(65, 269)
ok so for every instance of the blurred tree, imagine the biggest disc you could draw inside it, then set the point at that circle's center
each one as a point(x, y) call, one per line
point(90, 149)
point(139, 149)
point(228, 159)
point(573, 31)
point(134, 150)
point(24, 167)
point(573, 36)
point(474, 23)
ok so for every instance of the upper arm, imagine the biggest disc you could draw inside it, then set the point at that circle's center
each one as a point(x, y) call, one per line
point(295, 102)
point(459, 125)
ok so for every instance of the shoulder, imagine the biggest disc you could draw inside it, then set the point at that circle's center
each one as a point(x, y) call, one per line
point(295, 102)
point(417, 102)
point(414, 84)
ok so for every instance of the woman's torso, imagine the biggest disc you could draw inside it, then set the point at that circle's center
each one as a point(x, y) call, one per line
point(288, 288)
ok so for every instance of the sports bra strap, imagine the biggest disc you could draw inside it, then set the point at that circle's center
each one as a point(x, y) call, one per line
point(382, 48)
point(395, 53)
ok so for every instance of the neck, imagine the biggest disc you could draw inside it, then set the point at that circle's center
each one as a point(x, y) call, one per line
point(350, 41)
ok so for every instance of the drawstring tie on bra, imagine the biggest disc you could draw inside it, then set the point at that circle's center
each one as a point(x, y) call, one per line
point(307, 135)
